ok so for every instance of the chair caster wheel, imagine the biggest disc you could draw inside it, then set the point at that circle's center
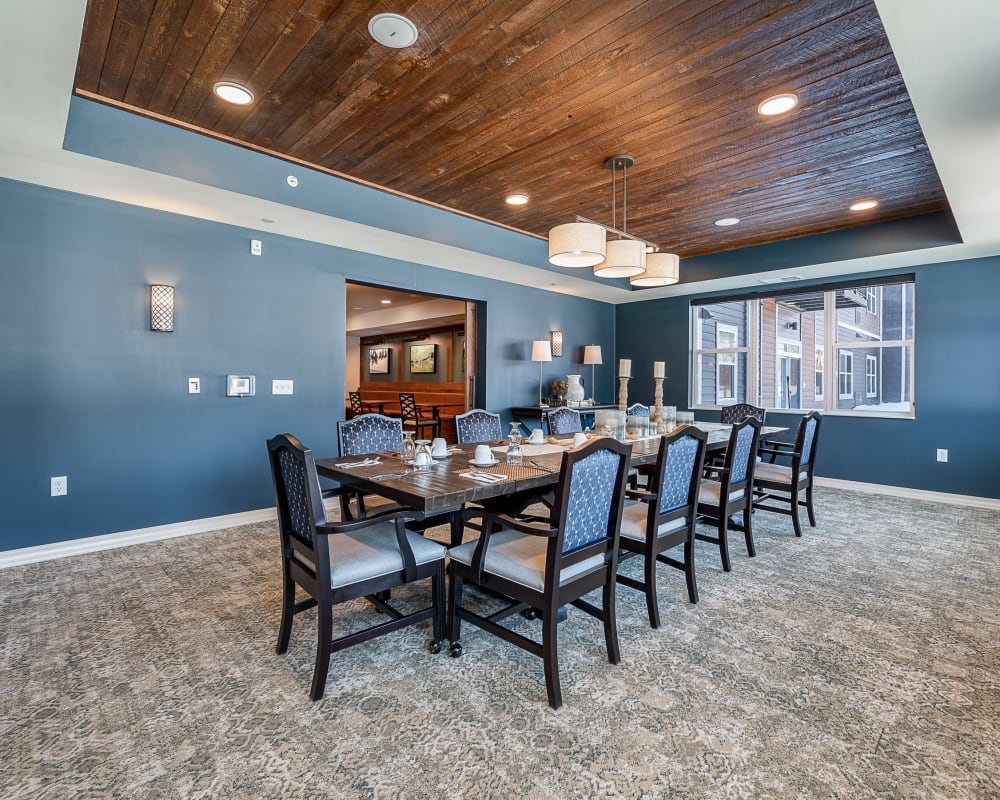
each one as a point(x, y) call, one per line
point(456, 650)
point(435, 647)
point(530, 613)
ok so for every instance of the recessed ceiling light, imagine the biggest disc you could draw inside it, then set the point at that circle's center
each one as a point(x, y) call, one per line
point(355, 308)
point(725, 222)
point(778, 104)
point(863, 205)
point(386, 302)
point(292, 181)
point(233, 93)
point(392, 30)
point(516, 199)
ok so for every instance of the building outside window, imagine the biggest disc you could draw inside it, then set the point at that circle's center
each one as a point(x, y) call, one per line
point(756, 348)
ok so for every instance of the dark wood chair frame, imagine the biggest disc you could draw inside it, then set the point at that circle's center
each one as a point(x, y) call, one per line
point(305, 561)
point(359, 406)
point(417, 416)
point(765, 490)
point(553, 596)
point(654, 548)
point(727, 507)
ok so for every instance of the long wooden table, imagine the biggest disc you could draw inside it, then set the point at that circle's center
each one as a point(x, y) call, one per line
point(441, 489)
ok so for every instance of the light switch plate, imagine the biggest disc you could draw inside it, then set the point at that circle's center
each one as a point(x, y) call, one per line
point(282, 387)
point(194, 385)
point(255, 247)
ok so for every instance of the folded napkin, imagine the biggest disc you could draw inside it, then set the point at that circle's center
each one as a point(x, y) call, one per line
point(485, 477)
point(368, 462)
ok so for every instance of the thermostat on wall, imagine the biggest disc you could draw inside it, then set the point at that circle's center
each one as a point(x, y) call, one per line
point(240, 386)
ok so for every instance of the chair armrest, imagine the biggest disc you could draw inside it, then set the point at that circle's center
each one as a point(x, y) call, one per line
point(507, 521)
point(776, 443)
point(716, 468)
point(640, 494)
point(782, 453)
point(385, 516)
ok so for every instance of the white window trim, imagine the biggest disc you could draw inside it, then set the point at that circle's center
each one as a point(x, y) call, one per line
point(871, 376)
point(721, 327)
point(821, 351)
point(848, 395)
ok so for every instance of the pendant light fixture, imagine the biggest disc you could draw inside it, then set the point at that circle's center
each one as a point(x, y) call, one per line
point(625, 257)
point(662, 269)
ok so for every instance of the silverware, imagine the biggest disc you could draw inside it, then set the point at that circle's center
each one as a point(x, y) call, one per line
point(486, 477)
point(536, 465)
point(368, 462)
point(390, 475)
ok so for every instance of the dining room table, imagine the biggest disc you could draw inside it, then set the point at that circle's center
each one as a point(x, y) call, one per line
point(441, 490)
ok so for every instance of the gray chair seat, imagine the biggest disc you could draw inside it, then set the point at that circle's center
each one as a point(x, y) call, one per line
point(634, 523)
point(520, 558)
point(709, 493)
point(373, 552)
point(776, 473)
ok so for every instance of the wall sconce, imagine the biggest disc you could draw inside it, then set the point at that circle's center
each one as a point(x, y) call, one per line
point(161, 308)
point(556, 338)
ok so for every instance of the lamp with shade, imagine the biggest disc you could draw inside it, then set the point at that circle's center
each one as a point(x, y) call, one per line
point(592, 356)
point(541, 351)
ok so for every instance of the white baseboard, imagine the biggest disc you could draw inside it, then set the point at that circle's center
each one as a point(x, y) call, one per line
point(990, 503)
point(92, 544)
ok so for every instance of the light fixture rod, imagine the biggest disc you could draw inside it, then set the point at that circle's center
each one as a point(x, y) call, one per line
point(610, 229)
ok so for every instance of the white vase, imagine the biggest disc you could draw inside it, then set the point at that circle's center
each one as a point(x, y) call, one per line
point(574, 389)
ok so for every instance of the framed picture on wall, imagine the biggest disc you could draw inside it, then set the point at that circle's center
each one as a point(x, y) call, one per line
point(378, 360)
point(422, 358)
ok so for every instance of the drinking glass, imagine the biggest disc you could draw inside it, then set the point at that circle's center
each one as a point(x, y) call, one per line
point(514, 453)
point(407, 449)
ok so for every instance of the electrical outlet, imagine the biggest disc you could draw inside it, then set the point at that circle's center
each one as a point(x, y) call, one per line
point(255, 247)
point(58, 485)
point(282, 387)
point(194, 385)
point(942, 454)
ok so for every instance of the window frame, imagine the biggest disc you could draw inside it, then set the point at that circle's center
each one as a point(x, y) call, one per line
point(843, 352)
point(819, 371)
point(722, 359)
point(871, 375)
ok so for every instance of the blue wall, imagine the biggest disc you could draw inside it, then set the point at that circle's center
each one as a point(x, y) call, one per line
point(89, 392)
point(957, 388)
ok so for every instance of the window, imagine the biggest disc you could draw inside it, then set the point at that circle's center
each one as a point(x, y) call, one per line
point(757, 349)
point(872, 297)
point(819, 374)
point(726, 365)
point(845, 374)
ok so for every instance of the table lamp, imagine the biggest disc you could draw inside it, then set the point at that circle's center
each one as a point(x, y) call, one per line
point(592, 356)
point(541, 350)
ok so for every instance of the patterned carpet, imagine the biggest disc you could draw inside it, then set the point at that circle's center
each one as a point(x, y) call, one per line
point(860, 661)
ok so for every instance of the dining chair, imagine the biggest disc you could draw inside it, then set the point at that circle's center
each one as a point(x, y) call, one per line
point(362, 436)
point(564, 420)
point(478, 425)
point(416, 417)
point(637, 410)
point(733, 491)
point(665, 517)
point(737, 413)
point(336, 563)
point(784, 483)
point(359, 406)
point(545, 566)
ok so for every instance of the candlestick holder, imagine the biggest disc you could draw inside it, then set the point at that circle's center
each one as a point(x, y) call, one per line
point(622, 393)
point(658, 401)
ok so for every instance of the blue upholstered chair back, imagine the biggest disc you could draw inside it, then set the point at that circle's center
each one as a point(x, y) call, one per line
point(591, 494)
point(678, 469)
point(638, 410)
point(478, 426)
point(811, 424)
point(297, 492)
point(743, 453)
point(369, 433)
point(564, 420)
point(730, 415)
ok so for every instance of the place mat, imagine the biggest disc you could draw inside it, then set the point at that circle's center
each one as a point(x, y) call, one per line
point(515, 472)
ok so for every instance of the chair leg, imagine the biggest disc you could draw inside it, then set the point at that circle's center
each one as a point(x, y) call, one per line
point(692, 581)
point(795, 511)
point(438, 598)
point(454, 627)
point(611, 618)
point(324, 641)
point(287, 613)
point(809, 505)
point(724, 540)
point(550, 657)
point(652, 607)
point(748, 528)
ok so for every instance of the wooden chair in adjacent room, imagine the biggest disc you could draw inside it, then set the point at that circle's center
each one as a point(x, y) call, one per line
point(425, 422)
point(336, 563)
point(665, 518)
point(545, 566)
point(786, 483)
point(732, 493)
point(359, 406)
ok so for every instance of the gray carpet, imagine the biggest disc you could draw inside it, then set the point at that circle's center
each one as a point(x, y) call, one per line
point(860, 661)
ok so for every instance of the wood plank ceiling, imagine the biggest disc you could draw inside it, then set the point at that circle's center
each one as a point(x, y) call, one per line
point(501, 96)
